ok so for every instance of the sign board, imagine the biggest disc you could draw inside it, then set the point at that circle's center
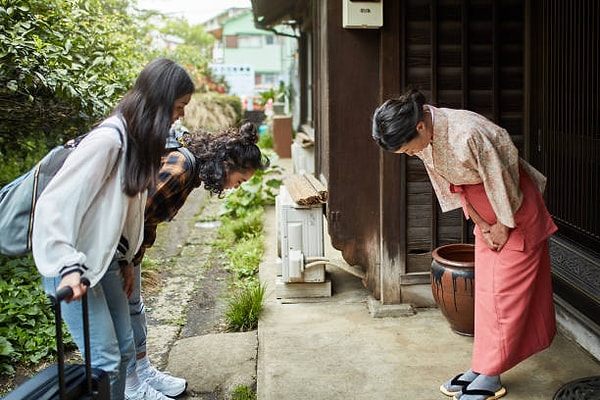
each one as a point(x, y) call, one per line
point(240, 78)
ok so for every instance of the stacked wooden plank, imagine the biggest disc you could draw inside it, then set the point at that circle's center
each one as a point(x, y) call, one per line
point(306, 190)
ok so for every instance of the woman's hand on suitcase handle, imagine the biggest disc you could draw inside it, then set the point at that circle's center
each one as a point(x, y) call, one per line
point(63, 293)
point(77, 285)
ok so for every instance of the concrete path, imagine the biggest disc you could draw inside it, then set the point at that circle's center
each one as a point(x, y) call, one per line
point(334, 349)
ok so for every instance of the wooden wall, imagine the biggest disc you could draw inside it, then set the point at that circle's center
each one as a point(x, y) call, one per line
point(382, 212)
point(346, 75)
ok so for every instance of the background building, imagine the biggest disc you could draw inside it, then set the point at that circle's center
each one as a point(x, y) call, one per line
point(243, 49)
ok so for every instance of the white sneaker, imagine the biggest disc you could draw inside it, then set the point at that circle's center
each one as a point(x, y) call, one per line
point(146, 392)
point(163, 382)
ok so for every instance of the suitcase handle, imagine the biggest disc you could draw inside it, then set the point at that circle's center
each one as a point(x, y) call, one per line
point(64, 294)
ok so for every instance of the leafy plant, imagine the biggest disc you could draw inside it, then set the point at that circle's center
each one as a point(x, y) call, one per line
point(27, 330)
point(234, 229)
point(245, 256)
point(258, 191)
point(66, 62)
point(241, 238)
point(265, 141)
point(276, 95)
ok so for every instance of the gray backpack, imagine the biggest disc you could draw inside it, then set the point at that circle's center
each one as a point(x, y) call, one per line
point(18, 198)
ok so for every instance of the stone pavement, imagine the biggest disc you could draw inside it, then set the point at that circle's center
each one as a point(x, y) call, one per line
point(186, 311)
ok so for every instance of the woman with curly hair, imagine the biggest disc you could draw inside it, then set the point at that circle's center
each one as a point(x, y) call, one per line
point(224, 160)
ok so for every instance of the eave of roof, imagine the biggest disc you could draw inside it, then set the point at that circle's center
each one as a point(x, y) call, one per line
point(270, 13)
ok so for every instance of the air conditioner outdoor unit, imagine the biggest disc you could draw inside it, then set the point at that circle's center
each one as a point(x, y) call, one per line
point(300, 236)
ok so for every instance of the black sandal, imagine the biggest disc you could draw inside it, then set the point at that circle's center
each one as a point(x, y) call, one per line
point(483, 392)
point(455, 382)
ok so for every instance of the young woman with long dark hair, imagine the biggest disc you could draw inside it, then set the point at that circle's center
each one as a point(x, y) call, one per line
point(94, 208)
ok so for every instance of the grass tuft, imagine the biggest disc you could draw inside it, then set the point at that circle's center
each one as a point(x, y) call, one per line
point(243, 392)
point(244, 307)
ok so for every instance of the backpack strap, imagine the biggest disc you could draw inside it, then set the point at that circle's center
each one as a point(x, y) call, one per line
point(114, 126)
point(71, 143)
point(173, 143)
point(190, 157)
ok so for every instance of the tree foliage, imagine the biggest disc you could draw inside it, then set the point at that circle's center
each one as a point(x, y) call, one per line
point(191, 47)
point(64, 65)
point(192, 35)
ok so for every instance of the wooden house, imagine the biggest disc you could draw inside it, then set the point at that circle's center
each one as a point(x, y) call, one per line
point(529, 65)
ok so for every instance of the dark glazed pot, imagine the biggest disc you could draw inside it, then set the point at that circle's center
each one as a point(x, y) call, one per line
point(453, 285)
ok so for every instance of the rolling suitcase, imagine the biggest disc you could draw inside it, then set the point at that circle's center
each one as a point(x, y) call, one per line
point(66, 381)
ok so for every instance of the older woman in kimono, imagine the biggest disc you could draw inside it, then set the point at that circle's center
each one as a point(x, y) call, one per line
point(473, 164)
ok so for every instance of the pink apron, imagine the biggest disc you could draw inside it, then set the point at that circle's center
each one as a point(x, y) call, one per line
point(514, 309)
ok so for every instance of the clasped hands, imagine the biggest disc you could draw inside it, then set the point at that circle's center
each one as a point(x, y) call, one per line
point(495, 236)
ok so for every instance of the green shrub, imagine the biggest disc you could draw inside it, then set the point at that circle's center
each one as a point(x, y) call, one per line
point(233, 229)
point(245, 257)
point(65, 64)
point(258, 191)
point(265, 141)
point(27, 329)
point(241, 239)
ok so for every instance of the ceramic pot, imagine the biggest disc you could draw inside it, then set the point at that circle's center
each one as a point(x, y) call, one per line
point(453, 285)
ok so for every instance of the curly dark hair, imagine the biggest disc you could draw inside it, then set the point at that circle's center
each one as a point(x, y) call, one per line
point(223, 152)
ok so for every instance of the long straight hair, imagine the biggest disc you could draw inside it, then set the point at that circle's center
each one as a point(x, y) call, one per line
point(148, 111)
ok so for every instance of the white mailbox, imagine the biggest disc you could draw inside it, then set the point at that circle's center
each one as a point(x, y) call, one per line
point(364, 14)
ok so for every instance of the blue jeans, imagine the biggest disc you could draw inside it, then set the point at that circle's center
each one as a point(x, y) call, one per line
point(111, 337)
point(137, 312)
